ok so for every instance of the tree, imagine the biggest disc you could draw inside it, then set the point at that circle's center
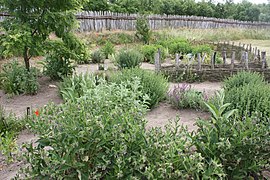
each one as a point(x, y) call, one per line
point(31, 23)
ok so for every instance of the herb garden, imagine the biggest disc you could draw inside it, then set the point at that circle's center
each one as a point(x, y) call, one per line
point(93, 92)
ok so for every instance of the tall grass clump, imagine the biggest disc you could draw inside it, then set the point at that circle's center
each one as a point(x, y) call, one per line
point(154, 85)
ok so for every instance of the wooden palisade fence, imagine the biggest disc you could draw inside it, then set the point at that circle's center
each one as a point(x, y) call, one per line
point(98, 21)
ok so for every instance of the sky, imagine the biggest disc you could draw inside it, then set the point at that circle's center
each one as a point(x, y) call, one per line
point(252, 1)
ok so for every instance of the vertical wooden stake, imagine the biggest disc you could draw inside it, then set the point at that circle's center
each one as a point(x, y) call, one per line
point(213, 60)
point(157, 62)
point(233, 59)
point(246, 60)
point(224, 56)
point(177, 61)
point(263, 60)
point(259, 55)
point(199, 62)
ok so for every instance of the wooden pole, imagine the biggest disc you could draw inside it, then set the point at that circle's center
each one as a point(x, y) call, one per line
point(224, 56)
point(233, 59)
point(157, 62)
point(199, 62)
point(177, 60)
point(213, 60)
point(246, 60)
point(263, 60)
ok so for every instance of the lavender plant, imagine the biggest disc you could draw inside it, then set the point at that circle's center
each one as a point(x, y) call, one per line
point(183, 96)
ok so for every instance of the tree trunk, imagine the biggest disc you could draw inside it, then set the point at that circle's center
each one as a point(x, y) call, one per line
point(26, 58)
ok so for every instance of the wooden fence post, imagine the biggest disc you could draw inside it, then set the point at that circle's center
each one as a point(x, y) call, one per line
point(213, 60)
point(259, 55)
point(177, 60)
point(233, 59)
point(250, 48)
point(263, 60)
point(246, 59)
point(224, 56)
point(199, 62)
point(157, 62)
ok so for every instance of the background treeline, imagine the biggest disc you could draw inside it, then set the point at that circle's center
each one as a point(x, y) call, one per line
point(244, 11)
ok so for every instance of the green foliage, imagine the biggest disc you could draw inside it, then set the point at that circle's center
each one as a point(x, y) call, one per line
point(154, 85)
point(9, 129)
point(75, 86)
point(149, 52)
point(128, 58)
point(15, 79)
point(249, 93)
point(201, 49)
point(143, 31)
point(242, 147)
point(97, 57)
point(180, 47)
point(182, 96)
point(56, 67)
point(241, 79)
point(108, 49)
point(79, 140)
point(28, 28)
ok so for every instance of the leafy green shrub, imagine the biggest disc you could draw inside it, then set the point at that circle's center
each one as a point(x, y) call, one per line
point(201, 49)
point(57, 67)
point(75, 86)
point(128, 58)
point(242, 147)
point(149, 52)
point(97, 57)
point(9, 129)
point(154, 85)
point(251, 100)
point(107, 49)
point(15, 79)
point(180, 47)
point(243, 78)
point(250, 94)
point(143, 31)
point(80, 141)
point(182, 96)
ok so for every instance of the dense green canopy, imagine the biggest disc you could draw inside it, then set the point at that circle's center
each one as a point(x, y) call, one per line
point(244, 11)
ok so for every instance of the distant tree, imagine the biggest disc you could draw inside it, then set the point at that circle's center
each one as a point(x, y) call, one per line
point(32, 22)
point(97, 5)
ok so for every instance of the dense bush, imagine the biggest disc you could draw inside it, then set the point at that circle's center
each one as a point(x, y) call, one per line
point(75, 86)
point(242, 147)
point(182, 96)
point(180, 47)
point(149, 52)
point(243, 78)
point(107, 49)
point(97, 56)
point(249, 94)
point(57, 67)
point(15, 79)
point(154, 85)
point(201, 49)
point(103, 136)
point(128, 58)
